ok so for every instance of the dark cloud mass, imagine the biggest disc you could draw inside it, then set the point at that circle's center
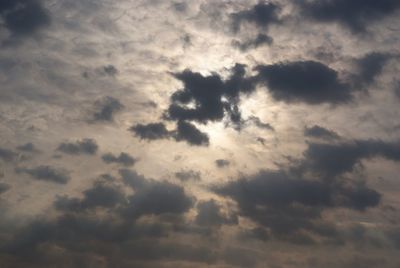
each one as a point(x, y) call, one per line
point(261, 39)
point(330, 160)
point(7, 155)
point(285, 204)
point(222, 163)
point(204, 133)
point(123, 159)
point(369, 67)
point(85, 146)
point(153, 197)
point(23, 17)
point(262, 15)
point(47, 173)
point(304, 81)
point(152, 131)
point(355, 15)
point(320, 133)
point(106, 108)
point(189, 133)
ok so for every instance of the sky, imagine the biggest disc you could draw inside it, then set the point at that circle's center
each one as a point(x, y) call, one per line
point(199, 133)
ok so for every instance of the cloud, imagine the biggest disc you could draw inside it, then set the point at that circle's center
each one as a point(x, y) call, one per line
point(261, 39)
point(330, 160)
point(123, 159)
point(286, 204)
point(262, 15)
point(47, 173)
point(24, 17)
point(369, 67)
point(354, 15)
point(257, 121)
point(186, 175)
point(206, 94)
point(184, 132)
point(189, 133)
point(110, 70)
point(152, 131)
point(153, 197)
point(221, 163)
point(304, 81)
point(320, 133)
point(85, 146)
point(209, 214)
point(106, 108)
point(7, 155)
point(28, 147)
point(4, 187)
point(102, 194)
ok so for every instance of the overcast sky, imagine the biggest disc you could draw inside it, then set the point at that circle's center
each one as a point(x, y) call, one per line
point(199, 133)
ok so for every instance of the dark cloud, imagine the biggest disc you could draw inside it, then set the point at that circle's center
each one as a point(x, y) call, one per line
point(260, 40)
point(369, 67)
point(23, 17)
point(7, 155)
point(257, 121)
point(188, 132)
point(221, 163)
point(206, 94)
point(184, 132)
point(123, 159)
point(106, 108)
point(47, 173)
point(28, 147)
point(4, 187)
point(102, 194)
point(110, 70)
point(262, 14)
point(355, 15)
point(152, 131)
point(209, 214)
point(186, 175)
point(304, 81)
point(320, 133)
point(85, 146)
point(330, 160)
point(240, 257)
point(153, 197)
point(286, 204)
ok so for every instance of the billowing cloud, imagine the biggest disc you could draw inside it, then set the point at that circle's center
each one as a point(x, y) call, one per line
point(153, 197)
point(24, 17)
point(262, 14)
point(106, 108)
point(304, 81)
point(320, 133)
point(47, 173)
point(355, 15)
point(7, 154)
point(123, 159)
point(210, 214)
point(85, 146)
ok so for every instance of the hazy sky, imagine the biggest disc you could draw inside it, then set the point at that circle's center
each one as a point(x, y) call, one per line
point(199, 133)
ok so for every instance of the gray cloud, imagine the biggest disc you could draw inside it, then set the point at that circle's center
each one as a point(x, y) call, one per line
point(123, 159)
point(355, 15)
point(47, 173)
point(7, 155)
point(85, 146)
point(304, 81)
point(106, 108)
point(221, 163)
point(320, 133)
point(24, 17)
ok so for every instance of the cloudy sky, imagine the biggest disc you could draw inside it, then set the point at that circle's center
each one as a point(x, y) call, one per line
point(199, 133)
